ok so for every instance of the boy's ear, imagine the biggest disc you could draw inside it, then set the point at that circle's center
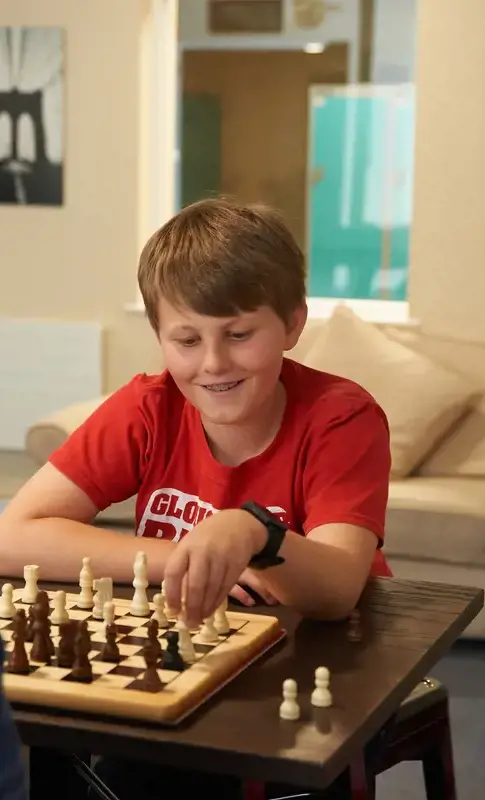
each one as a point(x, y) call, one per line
point(295, 325)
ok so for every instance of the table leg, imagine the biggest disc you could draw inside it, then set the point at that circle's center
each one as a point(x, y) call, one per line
point(439, 774)
point(52, 774)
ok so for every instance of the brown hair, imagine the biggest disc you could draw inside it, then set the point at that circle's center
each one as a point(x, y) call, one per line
point(220, 258)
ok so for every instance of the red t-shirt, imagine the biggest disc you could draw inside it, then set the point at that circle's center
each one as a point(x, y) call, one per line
point(329, 461)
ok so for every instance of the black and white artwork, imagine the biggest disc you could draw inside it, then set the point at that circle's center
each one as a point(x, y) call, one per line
point(31, 116)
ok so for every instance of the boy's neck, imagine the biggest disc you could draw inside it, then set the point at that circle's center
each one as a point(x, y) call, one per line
point(232, 445)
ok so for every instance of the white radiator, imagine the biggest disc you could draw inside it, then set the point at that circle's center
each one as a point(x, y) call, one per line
point(44, 366)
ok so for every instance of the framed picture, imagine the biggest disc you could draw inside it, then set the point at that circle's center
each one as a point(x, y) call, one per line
point(32, 116)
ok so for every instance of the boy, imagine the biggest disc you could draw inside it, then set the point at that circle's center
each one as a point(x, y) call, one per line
point(253, 473)
point(13, 784)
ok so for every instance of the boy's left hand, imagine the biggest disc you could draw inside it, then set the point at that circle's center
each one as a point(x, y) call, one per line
point(209, 560)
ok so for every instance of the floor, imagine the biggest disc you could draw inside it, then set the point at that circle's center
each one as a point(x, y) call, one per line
point(463, 672)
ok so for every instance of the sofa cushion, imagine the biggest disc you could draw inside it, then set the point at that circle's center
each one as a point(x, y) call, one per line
point(47, 434)
point(437, 519)
point(421, 398)
point(462, 452)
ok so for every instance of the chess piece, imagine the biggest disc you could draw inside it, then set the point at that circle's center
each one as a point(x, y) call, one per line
point(30, 590)
point(185, 643)
point(111, 651)
point(108, 614)
point(321, 696)
point(85, 599)
point(82, 670)
point(208, 633)
point(171, 657)
point(221, 622)
point(152, 634)
point(65, 649)
point(151, 681)
point(159, 612)
point(41, 650)
point(59, 613)
point(18, 663)
point(354, 631)
point(29, 633)
point(140, 606)
point(7, 606)
point(289, 708)
point(104, 594)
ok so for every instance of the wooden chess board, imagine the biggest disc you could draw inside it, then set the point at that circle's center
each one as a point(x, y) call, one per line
point(115, 688)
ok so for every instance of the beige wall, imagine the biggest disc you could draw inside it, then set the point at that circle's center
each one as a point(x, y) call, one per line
point(79, 261)
point(447, 290)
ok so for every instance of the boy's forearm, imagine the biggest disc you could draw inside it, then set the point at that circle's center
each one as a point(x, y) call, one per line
point(317, 579)
point(59, 545)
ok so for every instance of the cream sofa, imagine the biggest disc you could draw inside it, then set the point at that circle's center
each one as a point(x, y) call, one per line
point(433, 392)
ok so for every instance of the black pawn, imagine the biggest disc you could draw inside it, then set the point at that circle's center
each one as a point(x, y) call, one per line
point(29, 632)
point(151, 681)
point(110, 651)
point(65, 649)
point(171, 658)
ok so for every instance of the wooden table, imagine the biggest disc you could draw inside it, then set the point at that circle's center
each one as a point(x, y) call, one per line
point(407, 627)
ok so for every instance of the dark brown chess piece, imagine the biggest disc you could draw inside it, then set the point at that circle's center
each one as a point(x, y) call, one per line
point(29, 633)
point(111, 651)
point(40, 649)
point(65, 649)
point(151, 681)
point(18, 662)
point(152, 632)
point(82, 670)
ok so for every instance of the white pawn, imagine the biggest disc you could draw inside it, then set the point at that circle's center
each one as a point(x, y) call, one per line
point(289, 708)
point(31, 576)
point(221, 623)
point(59, 613)
point(321, 695)
point(159, 611)
point(208, 632)
point(7, 606)
point(186, 646)
point(86, 578)
point(108, 613)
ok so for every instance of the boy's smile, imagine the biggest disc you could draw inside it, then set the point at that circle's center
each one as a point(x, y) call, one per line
point(229, 368)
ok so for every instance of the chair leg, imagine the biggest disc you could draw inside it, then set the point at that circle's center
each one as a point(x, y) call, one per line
point(254, 790)
point(362, 781)
point(438, 768)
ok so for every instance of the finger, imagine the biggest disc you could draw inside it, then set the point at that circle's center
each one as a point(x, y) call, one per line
point(239, 594)
point(258, 586)
point(195, 588)
point(215, 587)
point(174, 578)
point(225, 591)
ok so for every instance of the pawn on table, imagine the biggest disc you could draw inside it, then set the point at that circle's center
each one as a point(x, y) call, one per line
point(151, 679)
point(59, 613)
point(289, 708)
point(185, 643)
point(321, 695)
point(82, 669)
point(110, 651)
point(159, 610)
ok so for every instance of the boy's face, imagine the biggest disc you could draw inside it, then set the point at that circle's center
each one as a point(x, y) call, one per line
point(227, 368)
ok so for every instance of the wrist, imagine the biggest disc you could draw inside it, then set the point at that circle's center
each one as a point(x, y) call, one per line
point(257, 531)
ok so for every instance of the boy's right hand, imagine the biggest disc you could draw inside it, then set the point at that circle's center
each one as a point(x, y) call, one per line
point(251, 580)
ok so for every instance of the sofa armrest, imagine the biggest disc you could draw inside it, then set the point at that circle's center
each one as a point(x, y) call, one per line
point(46, 435)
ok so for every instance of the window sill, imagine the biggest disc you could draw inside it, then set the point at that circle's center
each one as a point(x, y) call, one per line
point(379, 312)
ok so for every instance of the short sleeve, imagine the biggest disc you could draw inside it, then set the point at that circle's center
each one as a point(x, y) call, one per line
point(347, 469)
point(106, 455)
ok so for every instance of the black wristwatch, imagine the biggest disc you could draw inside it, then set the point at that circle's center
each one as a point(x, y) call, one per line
point(268, 556)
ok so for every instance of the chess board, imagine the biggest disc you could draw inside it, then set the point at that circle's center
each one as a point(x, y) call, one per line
point(115, 688)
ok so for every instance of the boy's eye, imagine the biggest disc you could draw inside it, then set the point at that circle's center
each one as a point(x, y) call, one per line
point(188, 342)
point(240, 335)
